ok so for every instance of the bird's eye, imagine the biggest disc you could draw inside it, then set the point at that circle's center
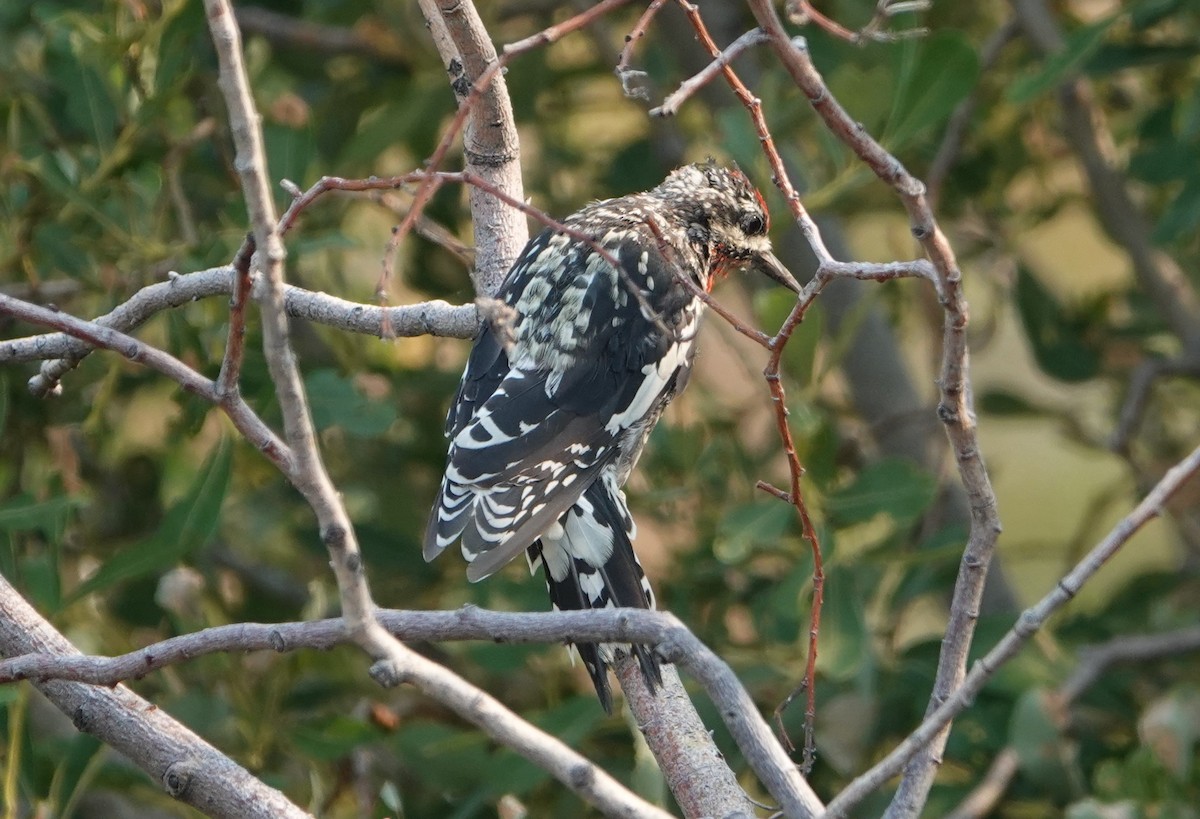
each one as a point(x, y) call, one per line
point(753, 225)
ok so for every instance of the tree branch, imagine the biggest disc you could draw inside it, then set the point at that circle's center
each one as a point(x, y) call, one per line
point(1158, 274)
point(955, 407)
point(179, 761)
point(695, 771)
point(1094, 661)
point(308, 474)
point(95, 335)
point(1026, 626)
point(675, 642)
point(670, 106)
point(490, 146)
point(436, 318)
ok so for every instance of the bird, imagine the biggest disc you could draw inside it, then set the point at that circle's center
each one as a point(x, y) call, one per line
point(561, 390)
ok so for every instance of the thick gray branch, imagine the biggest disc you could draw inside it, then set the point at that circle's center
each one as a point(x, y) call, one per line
point(183, 764)
point(675, 643)
point(437, 318)
point(490, 144)
point(698, 776)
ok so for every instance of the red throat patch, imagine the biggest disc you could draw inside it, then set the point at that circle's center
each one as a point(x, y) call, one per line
point(720, 270)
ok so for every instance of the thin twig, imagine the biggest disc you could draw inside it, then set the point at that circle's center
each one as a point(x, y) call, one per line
point(625, 74)
point(1130, 648)
point(1094, 662)
point(982, 799)
point(308, 474)
point(235, 346)
point(802, 12)
point(771, 372)
point(796, 499)
point(1083, 124)
point(549, 35)
point(960, 121)
point(437, 317)
point(955, 407)
point(1137, 395)
point(96, 335)
point(1026, 626)
point(779, 175)
point(664, 247)
point(670, 106)
point(311, 38)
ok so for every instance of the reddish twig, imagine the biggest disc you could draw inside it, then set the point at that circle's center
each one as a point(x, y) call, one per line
point(787, 701)
point(796, 499)
point(771, 372)
point(626, 74)
point(755, 335)
point(802, 12)
point(954, 409)
point(779, 175)
point(430, 230)
point(547, 36)
point(235, 345)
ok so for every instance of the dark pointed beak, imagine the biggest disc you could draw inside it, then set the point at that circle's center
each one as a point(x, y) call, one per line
point(768, 264)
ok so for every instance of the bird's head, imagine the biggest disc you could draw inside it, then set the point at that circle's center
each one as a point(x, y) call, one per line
point(726, 217)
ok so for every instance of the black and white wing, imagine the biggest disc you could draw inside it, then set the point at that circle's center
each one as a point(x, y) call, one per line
point(533, 427)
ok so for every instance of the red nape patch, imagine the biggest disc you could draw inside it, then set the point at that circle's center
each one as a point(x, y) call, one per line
point(762, 204)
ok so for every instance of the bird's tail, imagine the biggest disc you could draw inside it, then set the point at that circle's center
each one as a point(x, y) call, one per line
point(589, 563)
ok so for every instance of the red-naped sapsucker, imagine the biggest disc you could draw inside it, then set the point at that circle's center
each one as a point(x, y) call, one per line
point(546, 429)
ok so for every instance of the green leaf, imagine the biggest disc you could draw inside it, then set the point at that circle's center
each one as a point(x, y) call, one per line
point(1164, 161)
point(893, 486)
point(91, 108)
point(41, 579)
point(759, 524)
point(944, 73)
point(1182, 216)
point(1034, 736)
point(335, 402)
point(1055, 335)
point(334, 738)
point(76, 768)
point(290, 151)
point(22, 513)
point(1114, 57)
point(1150, 12)
point(782, 607)
point(1078, 49)
point(450, 759)
point(186, 527)
point(844, 644)
point(1004, 402)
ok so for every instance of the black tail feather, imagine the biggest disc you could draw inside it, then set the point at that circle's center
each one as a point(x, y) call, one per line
point(623, 585)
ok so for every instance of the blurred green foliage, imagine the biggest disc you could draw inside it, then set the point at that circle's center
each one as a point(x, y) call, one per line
point(130, 512)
